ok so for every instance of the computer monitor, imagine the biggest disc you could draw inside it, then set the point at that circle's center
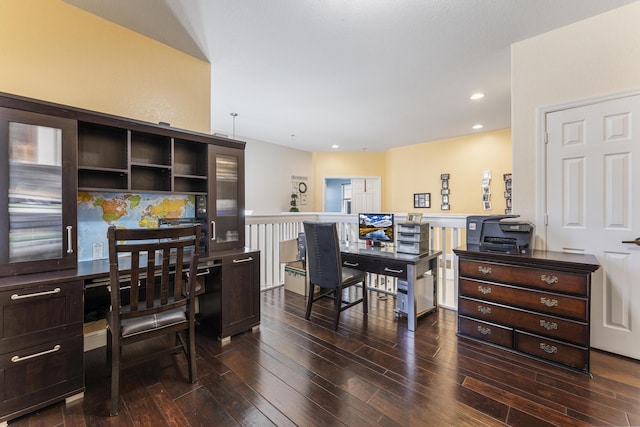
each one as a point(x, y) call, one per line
point(376, 227)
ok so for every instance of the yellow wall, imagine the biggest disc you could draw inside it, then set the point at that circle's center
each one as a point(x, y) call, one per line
point(417, 169)
point(340, 165)
point(56, 52)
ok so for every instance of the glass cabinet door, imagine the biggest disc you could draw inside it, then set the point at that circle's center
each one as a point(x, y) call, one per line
point(37, 232)
point(226, 198)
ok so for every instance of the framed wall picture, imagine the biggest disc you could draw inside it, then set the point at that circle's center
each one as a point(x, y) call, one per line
point(422, 200)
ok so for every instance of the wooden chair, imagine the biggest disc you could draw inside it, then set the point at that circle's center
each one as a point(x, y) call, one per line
point(151, 294)
point(324, 266)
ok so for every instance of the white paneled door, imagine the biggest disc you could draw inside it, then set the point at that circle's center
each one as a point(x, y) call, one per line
point(593, 206)
point(365, 194)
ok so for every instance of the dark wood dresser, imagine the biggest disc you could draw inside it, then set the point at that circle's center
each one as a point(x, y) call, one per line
point(536, 304)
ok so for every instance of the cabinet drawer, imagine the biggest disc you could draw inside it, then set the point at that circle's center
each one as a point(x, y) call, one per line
point(549, 280)
point(410, 237)
point(562, 329)
point(566, 354)
point(413, 228)
point(37, 314)
point(486, 331)
point(39, 374)
point(411, 247)
point(554, 304)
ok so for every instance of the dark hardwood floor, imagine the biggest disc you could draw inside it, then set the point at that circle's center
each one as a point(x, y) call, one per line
point(370, 372)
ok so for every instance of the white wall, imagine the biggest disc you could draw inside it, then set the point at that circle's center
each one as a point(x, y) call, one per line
point(595, 57)
point(268, 171)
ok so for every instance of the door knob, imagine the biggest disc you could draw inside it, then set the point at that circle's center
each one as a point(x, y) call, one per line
point(636, 241)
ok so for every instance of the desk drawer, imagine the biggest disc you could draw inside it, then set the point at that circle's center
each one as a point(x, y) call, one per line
point(37, 314)
point(554, 304)
point(549, 280)
point(554, 327)
point(385, 267)
point(355, 262)
point(576, 357)
point(486, 331)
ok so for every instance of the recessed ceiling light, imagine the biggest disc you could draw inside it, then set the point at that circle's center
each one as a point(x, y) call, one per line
point(335, 146)
point(478, 126)
point(477, 96)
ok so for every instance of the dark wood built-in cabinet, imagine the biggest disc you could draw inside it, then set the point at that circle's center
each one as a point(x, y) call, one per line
point(38, 191)
point(125, 156)
point(41, 360)
point(226, 198)
point(231, 302)
point(118, 158)
point(537, 304)
point(50, 152)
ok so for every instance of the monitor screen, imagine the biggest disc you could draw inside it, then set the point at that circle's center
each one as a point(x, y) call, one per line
point(378, 227)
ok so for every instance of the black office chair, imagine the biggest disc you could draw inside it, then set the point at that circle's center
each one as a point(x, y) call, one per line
point(324, 266)
point(153, 296)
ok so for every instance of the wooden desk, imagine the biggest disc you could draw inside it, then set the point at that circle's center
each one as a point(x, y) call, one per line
point(406, 267)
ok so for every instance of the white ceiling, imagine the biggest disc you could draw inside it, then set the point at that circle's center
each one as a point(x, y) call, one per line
point(363, 74)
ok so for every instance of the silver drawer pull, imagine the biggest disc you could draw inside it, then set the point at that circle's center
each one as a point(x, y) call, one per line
point(549, 326)
point(31, 356)
point(551, 349)
point(484, 310)
point(484, 289)
point(200, 273)
point(37, 294)
point(484, 331)
point(549, 280)
point(351, 264)
point(239, 261)
point(484, 270)
point(549, 302)
point(391, 270)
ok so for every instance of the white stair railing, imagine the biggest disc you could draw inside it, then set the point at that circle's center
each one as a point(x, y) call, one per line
point(265, 232)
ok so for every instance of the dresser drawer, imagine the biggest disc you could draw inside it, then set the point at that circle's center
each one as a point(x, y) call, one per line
point(566, 354)
point(550, 280)
point(486, 331)
point(543, 302)
point(562, 329)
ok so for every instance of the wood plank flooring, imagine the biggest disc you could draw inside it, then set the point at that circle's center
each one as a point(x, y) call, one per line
point(371, 371)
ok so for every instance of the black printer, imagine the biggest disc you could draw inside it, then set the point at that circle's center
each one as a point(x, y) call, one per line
point(499, 233)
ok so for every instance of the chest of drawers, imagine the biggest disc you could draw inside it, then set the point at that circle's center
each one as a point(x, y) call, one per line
point(537, 305)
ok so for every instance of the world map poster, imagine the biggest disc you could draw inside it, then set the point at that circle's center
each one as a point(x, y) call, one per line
point(98, 211)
